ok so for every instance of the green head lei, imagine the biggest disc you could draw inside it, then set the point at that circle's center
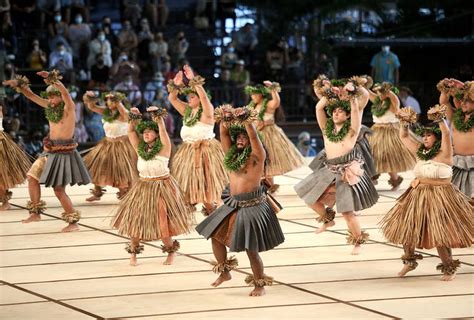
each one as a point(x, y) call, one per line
point(50, 91)
point(378, 86)
point(339, 82)
point(147, 124)
point(258, 89)
point(188, 90)
point(421, 130)
point(337, 103)
point(113, 95)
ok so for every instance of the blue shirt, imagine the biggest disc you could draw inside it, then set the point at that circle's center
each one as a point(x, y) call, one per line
point(385, 65)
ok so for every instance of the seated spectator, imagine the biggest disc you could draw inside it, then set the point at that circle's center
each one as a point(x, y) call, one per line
point(246, 41)
point(47, 9)
point(168, 72)
point(132, 11)
point(161, 99)
point(407, 99)
point(295, 69)
point(93, 123)
point(277, 58)
point(80, 132)
point(158, 50)
point(241, 78)
point(123, 66)
point(61, 60)
point(99, 74)
point(99, 46)
point(226, 92)
point(229, 57)
point(304, 145)
point(79, 36)
point(127, 39)
point(37, 59)
point(131, 89)
point(58, 32)
point(157, 12)
point(178, 47)
point(145, 36)
point(153, 85)
point(109, 33)
point(75, 5)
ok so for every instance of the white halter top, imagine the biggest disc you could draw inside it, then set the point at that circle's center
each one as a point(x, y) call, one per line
point(115, 129)
point(432, 170)
point(153, 168)
point(388, 117)
point(200, 131)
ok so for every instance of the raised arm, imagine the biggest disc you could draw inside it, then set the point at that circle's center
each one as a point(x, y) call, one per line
point(26, 91)
point(255, 143)
point(363, 99)
point(123, 111)
point(275, 102)
point(446, 145)
point(132, 133)
point(177, 103)
point(407, 140)
point(444, 99)
point(321, 116)
point(90, 104)
point(207, 108)
point(68, 102)
point(394, 102)
point(372, 95)
point(224, 136)
point(164, 137)
point(356, 117)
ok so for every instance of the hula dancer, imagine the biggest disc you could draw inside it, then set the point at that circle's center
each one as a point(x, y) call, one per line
point(198, 162)
point(15, 165)
point(113, 161)
point(154, 208)
point(431, 212)
point(247, 220)
point(338, 176)
point(390, 154)
point(282, 154)
point(60, 164)
point(462, 123)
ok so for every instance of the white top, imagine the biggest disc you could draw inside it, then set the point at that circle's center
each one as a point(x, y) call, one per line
point(153, 168)
point(432, 170)
point(268, 116)
point(115, 129)
point(388, 117)
point(1, 124)
point(200, 131)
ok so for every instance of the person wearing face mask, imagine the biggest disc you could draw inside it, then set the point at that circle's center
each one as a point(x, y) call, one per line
point(127, 38)
point(178, 47)
point(47, 8)
point(385, 65)
point(124, 66)
point(229, 58)
point(60, 59)
point(99, 74)
point(37, 58)
point(79, 36)
point(58, 32)
point(128, 86)
point(304, 145)
point(100, 46)
point(77, 6)
point(158, 50)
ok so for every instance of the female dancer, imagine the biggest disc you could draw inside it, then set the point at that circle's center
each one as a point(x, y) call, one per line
point(282, 154)
point(154, 208)
point(113, 160)
point(198, 162)
point(431, 213)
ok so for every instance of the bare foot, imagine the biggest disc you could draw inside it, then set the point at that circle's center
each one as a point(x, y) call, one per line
point(448, 277)
point(93, 198)
point(396, 184)
point(406, 268)
point(169, 259)
point(5, 206)
point(257, 292)
point(224, 276)
point(356, 250)
point(32, 218)
point(71, 228)
point(133, 260)
point(324, 227)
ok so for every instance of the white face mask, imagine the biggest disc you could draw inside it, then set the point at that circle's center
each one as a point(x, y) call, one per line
point(101, 37)
point(386, 49)
point(57, 18)
point(78, 20)
point(73, 95)
point(62, 51)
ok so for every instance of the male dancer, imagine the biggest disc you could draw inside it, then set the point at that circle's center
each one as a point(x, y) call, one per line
point(247, 219)
point(61, 164)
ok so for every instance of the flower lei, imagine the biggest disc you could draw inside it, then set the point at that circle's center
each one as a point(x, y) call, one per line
point(107, 115)
point(234, 161)
point(187, 120)
point(150, 154)
point(336, 137)
point(263, 109)
point(460, 124)
point(54, 114)
point(427, 154)
point(379, 107)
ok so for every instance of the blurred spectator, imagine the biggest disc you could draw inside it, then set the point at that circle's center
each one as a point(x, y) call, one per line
point(161, 100)
point(158, 50)
point(100, 46)
point(34, 144)
point(241, 78)
point(80, 132)
point(145, 36)
point(58, 32)
point(21, 12)
point(99, 74)
point(167, 72)
point(407, 99)
point(93, 123)
point(324, 66)
point(47, 9)
point(77, 6)
point(3, 61)
point(465, 73)
point(61, 60)
point(304, 145)
point(132, 11)
point(385, 65)
point(80, 35)
point(178, 47)
point(37, 59)
point(127, 39)
point(8, 32)
point(296, 70)
point(124, 66)
point(157, 12)
point(227, 89)
point(153, 85)
point(109, 33)
point(246, 41)
point(229, 57)
point(277, 58)
point(131, 89)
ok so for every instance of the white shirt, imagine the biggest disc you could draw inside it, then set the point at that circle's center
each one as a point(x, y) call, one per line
point(153, 168)
point(200, 131)
point(432, 170)
point(115, 129)
point(388, 117)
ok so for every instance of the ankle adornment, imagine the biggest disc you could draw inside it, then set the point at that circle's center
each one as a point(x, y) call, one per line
point(97, 192)
point(6, 196)
point(450, 268)
point(71, 217)
point(265, 281)
point(410, 259)
point(122, 194)
point(328, 216)
point(36, 208)
point(361, 239)
point(170, 249)
point(226, 266)
point(134, 249)
point(395, 183)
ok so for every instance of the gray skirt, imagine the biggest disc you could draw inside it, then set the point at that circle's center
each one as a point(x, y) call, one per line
point(64, 168)
point(254, 228)
point(348, 198)
point(463, 174)
point(364, 147)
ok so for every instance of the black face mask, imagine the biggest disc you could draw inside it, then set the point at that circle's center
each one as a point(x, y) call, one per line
point(100, 62)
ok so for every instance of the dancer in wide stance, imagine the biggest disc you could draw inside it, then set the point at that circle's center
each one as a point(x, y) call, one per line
point(431, 213)
point(282, 154)
point(247, 219)
point(338, 176)
point(197, 164)
point(113, 161)
point(15, 165)
point(60, 164)
point(154, 208)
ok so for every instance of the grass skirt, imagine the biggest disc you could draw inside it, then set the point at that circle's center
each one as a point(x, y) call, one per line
point(390, 154)
point(429, 216)
point(282, 154)
point(199, 169)
point(153, 209)
point(112, 162)
point(14, 161)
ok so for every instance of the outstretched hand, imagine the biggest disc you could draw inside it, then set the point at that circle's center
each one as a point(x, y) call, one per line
point(43, 74)
point(11, 83)
point(267, 83)
point(135, 111)
point(178, 78)
point(188, 72)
